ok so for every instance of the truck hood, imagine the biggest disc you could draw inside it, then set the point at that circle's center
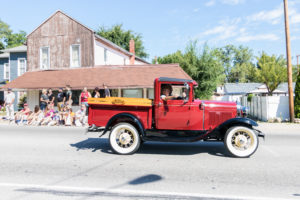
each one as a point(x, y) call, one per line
point(216, 104)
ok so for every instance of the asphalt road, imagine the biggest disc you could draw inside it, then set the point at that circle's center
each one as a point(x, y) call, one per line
point(65, 163)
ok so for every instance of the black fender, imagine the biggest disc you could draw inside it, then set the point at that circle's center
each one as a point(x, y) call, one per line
point(239, 121)
point(123, 116)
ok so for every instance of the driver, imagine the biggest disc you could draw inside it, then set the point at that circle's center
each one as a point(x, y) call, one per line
point(166, 92)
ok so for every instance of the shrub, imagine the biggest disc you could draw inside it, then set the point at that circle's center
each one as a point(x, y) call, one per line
point(249, 98)
point(22, 100)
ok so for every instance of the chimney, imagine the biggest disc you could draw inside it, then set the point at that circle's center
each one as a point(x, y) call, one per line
point(132, 50)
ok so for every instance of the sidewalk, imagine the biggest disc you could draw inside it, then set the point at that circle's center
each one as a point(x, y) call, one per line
point(279, 128)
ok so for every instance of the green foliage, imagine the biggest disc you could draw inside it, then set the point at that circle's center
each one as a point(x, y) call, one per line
point(249, 97)
point(295, 72)
point(237, 63)
point(202, 65)
point(4, 32)
point(22, 101)
point(8, 39)
point(121, 37)
point(297, 98)
point(272, 71)
point(15, 39)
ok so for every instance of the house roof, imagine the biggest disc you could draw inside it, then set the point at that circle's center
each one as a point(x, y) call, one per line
point(4, 55)
point(284, 87)
point(118, 76)
point(240, 88)
point(245, 88)
point(21, 48)
point(113, 45)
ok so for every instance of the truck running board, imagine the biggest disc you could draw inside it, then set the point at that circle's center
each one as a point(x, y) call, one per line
point(95, 128)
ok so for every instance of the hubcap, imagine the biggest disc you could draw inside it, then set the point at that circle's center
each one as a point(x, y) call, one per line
point(242, 140)
point(124, 138)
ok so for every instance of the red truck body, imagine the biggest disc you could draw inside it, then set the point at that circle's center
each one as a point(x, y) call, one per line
point(169, 115)
point(179, 119)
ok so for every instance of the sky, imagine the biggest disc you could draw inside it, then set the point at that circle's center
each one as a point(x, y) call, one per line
point(169, 25)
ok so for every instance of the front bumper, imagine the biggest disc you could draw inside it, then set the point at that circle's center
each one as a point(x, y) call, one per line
point(259, 133)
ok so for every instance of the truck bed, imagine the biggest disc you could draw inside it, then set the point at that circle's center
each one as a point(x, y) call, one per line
point(101, 110)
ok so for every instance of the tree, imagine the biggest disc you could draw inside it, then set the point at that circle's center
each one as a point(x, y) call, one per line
point(4, 32)
point(226, 56)
point(294, 72)
point(8, 39)
point(15, 39)
point(121, 37)
point(297, 98)
point(203, 66)
point(237, 63)
point(271, 71)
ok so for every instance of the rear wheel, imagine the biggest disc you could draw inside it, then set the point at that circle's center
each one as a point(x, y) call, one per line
point(124, 139)
point(241, 141)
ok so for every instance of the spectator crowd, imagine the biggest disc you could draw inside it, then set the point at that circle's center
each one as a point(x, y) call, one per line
point(45, 113)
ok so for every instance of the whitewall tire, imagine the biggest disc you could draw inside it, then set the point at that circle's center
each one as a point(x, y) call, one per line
point(241, 141)
point(124, 139)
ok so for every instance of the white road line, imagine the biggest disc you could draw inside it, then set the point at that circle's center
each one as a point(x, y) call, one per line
point(89, 190)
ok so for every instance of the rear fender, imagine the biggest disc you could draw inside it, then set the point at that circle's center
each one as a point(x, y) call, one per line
point(125, 117)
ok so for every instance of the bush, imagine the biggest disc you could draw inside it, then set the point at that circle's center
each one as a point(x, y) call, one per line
point(249, 98)
point(22, 101)
point(297, 98)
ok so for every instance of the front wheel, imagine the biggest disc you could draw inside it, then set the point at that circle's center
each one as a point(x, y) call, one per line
point(241, 141)
point(124, 139)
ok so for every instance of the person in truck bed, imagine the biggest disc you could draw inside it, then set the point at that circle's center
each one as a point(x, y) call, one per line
point(166, 92)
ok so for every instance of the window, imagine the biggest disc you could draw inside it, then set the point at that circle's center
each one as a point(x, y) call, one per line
point(150, 93)
point(21, 66)
point(45, 58)
point(6, 71)
point(75, 55)
point(178, 91)
point(105, 56)
point(136, 93)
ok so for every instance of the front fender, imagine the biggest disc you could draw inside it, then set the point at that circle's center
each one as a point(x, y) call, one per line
point(122, 117)
point(239, 121)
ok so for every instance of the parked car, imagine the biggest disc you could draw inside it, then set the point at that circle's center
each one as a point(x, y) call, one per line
point(178, 118)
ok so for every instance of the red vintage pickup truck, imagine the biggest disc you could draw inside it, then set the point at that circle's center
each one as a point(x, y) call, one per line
point(173, 116)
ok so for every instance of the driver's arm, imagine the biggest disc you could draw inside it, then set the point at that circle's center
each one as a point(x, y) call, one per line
point(168, 97)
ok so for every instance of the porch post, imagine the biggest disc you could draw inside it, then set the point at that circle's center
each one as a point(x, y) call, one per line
point(144, 93)
point(119, 92)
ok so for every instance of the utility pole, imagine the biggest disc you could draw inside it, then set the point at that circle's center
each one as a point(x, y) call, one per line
point(297, 64)
point(289, 64)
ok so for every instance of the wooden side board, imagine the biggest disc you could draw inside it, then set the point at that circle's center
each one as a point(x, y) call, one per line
point(121, 101)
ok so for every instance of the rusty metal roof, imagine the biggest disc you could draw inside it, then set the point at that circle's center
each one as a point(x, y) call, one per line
point(114, 76)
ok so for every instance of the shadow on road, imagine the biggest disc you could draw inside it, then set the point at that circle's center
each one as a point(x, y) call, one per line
point(166, 148)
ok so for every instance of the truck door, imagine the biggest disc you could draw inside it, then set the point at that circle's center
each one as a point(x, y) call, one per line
point(173, 114)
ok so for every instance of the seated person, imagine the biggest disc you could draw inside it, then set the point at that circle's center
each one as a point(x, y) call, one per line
point(166, 91)
point(22, 115)
point(34, 115)
point(69, 117)
point(185, 94)
point(80, 117)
